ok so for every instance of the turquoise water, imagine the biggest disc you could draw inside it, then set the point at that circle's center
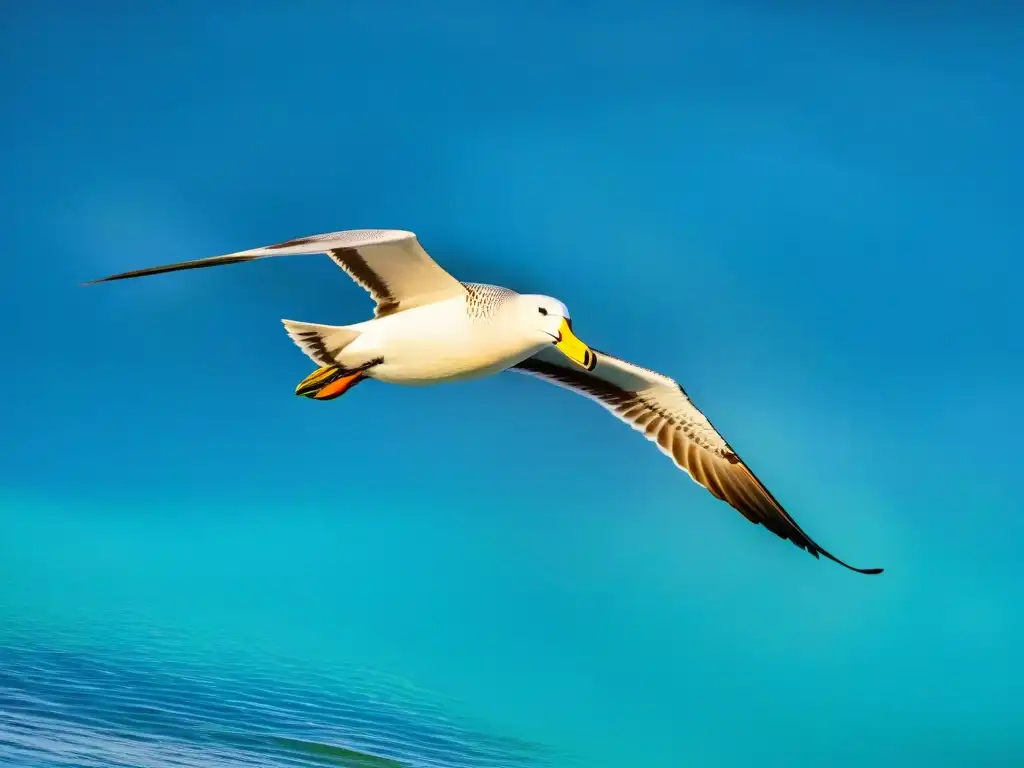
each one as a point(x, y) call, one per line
point(808, 213)
point(91, 708)
point(130, 651)
point(433, 637)
point(94, 707)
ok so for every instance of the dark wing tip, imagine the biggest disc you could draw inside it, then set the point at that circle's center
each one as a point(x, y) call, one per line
point(138, 273)
point(794, 533)
point(865, 571)
point(790, 530)
point(105, 279)
point(213, 261)
point(767, 511)
point(806, 542)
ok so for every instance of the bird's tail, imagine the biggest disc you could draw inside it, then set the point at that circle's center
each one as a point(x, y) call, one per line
point(321, 343)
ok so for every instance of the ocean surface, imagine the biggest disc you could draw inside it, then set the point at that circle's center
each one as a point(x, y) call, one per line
point(806, 213)
point(94, 707)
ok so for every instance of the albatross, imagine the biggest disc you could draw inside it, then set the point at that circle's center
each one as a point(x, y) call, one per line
point(429, 327)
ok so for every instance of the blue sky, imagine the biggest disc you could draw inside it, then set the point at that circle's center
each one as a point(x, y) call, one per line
point(805, 212)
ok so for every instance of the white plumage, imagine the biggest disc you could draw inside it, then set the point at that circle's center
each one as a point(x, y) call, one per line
point(428, 327)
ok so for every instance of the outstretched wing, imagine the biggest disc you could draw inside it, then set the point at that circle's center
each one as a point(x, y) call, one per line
point(389, 263)
point(657, 406)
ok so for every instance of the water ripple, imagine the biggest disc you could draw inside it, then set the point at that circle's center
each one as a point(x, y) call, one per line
point(111, 709)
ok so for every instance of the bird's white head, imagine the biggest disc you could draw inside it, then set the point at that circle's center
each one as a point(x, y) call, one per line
point(546, 320)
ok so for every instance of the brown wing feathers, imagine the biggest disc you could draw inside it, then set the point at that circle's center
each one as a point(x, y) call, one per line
point(722, 472)
point(355, 265)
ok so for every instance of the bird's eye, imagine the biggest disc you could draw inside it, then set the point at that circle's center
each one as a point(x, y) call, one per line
point(542, 310)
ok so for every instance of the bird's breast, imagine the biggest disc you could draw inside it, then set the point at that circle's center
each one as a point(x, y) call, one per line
point(431, 347)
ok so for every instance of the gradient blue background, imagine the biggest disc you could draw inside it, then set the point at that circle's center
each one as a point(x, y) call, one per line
point(808, 213)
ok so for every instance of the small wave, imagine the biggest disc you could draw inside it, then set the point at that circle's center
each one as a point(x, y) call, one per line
point(94, 709)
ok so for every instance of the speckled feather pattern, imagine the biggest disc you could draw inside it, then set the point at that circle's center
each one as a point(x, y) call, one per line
point(483, 301)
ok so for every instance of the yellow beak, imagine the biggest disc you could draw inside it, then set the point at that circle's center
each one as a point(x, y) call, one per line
point(573, 348)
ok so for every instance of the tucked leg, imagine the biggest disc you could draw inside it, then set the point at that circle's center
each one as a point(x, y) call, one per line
point(328, 383)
